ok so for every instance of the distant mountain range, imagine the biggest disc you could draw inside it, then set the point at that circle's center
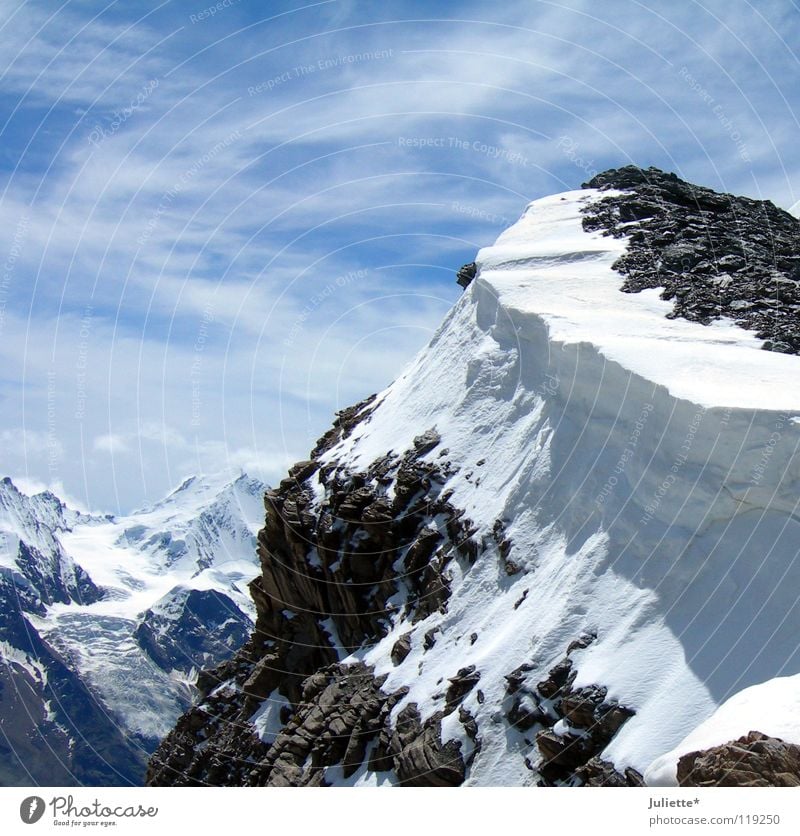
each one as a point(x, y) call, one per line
point(105, 621)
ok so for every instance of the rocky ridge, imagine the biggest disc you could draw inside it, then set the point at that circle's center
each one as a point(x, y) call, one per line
point(381, 571)
point(338, 571)
point(715, 255)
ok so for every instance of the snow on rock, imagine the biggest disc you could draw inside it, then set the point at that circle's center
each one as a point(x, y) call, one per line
point(647, 467)
point(586, 467)
point(771, 707)
point(133, 618)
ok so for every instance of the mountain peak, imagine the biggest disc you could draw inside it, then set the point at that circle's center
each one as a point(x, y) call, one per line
point(534, 557)
point(714, 256)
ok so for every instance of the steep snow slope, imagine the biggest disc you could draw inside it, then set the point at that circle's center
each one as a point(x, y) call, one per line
point(649, 499)
point(605, 504)
point(127, 610)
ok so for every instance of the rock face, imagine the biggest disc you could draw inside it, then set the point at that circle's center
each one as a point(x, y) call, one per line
point(755, 760)
point(464, 577)
point(333, 575)
point(715, 255)
point(341, 713)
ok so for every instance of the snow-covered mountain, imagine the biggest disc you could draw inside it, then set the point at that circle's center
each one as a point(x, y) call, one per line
point(105, 622)
point(560, 540)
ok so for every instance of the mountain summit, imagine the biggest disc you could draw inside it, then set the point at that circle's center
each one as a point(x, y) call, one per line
point(561, 547)
point(714, 255)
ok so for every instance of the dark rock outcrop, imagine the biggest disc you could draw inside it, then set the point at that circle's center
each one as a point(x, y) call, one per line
point(466, 274)
point(715, 255)
point(192, 628)
point(755, 760)
point(335, 573)
point(460, 685)
point(401, 648)
point(591, 722)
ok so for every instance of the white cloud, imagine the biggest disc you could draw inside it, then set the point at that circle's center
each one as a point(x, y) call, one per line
point(199, 259)
point(111, 443)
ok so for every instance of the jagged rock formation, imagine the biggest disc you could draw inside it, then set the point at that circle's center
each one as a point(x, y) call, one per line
point(534, 481)
point(334, 574)
point(755, 760)
point(599, 773)
point(713, 254)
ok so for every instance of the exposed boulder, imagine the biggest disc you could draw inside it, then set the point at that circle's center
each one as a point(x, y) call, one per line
point(466, 274)
point(460, 685)
point(401, 648)
point(755, 760)
point(420, 757)
point(570, 726)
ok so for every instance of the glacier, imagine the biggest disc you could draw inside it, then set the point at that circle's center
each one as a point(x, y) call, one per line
point(106, 622)
point(615, 495)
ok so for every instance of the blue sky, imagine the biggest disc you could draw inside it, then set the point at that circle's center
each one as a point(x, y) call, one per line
point(221, 222)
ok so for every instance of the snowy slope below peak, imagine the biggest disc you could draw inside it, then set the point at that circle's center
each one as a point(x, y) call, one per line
point(646, 469)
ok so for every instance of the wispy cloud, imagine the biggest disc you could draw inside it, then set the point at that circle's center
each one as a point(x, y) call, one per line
point(225, 227)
